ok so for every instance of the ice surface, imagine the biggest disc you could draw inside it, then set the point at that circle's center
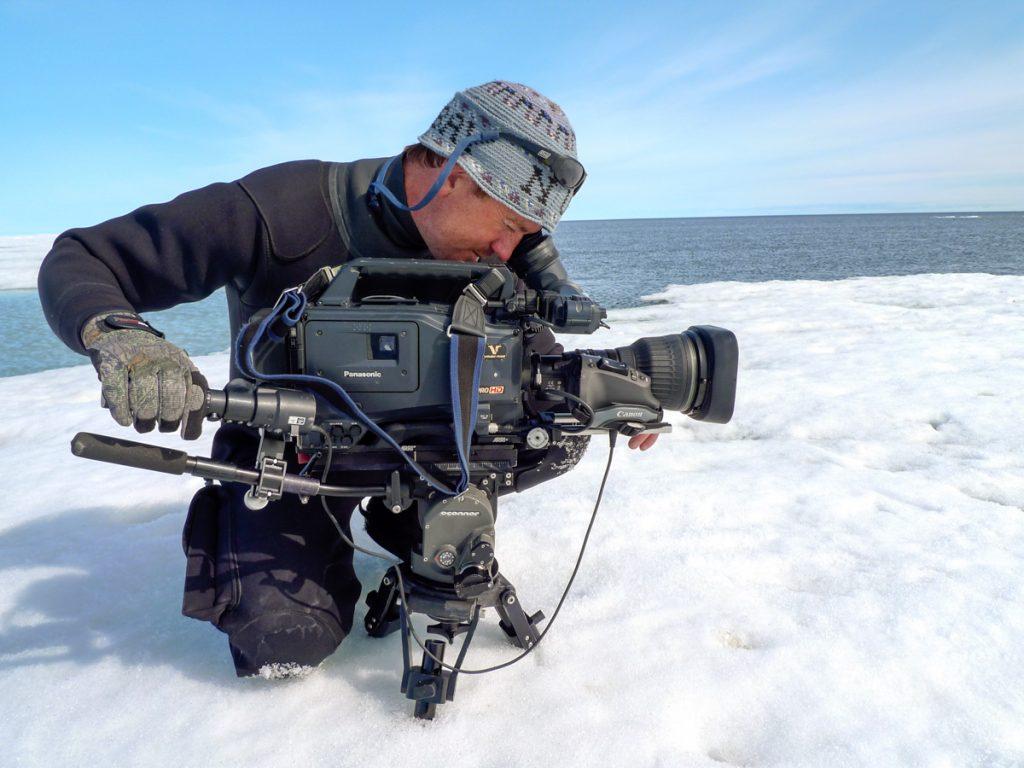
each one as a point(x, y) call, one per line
point(285, 671)
point(833, 578)
point(20, 257)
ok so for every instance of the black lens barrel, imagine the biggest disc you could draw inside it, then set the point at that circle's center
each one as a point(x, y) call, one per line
point(672, 362)
point(693, 372)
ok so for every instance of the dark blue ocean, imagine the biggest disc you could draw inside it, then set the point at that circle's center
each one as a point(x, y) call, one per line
point(619, 262)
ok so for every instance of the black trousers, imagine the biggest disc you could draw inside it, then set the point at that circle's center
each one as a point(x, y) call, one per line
point(279, 581)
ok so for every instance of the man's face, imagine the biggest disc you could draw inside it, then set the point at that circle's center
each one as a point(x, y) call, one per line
point(464, 224)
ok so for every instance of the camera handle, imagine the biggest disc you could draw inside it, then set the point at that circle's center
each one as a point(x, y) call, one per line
point(128, 453)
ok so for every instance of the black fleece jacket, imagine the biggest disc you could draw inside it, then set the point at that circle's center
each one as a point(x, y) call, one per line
point(254, 237)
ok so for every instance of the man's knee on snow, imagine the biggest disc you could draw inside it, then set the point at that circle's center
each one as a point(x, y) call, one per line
point(282, 644)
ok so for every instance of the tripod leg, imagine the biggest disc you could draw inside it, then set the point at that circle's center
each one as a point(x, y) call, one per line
point(432, 682)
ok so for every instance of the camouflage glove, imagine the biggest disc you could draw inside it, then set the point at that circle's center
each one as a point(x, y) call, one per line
point(146, 380)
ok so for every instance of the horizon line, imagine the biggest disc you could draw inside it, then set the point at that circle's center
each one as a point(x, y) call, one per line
point(794, 215)
point(723, 216)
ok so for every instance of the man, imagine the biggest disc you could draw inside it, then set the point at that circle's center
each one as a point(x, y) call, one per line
point(496, 167)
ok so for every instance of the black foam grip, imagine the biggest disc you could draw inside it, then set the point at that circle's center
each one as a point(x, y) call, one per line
point(128, 453)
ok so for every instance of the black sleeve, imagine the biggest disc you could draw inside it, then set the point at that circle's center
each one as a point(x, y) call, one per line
point(180, 251)
point(536, 260)
point(152, 258)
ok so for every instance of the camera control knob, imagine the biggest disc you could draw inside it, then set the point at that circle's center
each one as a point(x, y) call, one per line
point(538, 437)
point(445, 557)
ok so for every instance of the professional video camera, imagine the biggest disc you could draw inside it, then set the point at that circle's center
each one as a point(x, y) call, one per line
point(416, 383)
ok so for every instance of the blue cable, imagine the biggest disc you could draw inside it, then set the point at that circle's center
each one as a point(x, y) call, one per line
point(377, 185)
point(289, 308)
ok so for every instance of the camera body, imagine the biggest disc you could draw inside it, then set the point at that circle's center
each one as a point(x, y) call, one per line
point(380, 329)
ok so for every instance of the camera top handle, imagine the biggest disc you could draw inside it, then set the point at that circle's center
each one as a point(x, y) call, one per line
point(426, 276)
point(372, 280)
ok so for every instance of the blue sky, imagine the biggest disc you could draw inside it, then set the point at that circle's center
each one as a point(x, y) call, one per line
point(680, 109)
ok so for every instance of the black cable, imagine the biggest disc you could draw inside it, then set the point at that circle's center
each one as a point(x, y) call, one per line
point(585, 407)
point(466, 640)
point(579, 560)
point(334, 520)
point(330, 452)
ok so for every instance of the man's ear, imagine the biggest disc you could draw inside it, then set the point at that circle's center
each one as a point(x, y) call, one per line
point(456, 177)
point(450, 182)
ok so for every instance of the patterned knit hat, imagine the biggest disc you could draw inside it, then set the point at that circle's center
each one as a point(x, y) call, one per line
point(505, 171)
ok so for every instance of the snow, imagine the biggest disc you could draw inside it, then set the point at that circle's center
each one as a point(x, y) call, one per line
point(833, 578)
point(20, 257)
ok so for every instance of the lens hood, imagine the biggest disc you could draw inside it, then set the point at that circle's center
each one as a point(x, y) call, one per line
point(721, 352)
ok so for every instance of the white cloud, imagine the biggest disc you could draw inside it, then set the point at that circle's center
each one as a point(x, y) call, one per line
point(924, 130)
point(749, 115)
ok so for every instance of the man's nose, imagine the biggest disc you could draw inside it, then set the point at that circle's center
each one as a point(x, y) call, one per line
point(505, 245)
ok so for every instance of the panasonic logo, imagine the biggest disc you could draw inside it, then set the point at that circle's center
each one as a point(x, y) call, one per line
point(363, 374)
point(629, 414)
point(459, 513)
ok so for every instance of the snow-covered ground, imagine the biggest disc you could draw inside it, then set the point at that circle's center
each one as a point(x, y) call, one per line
point(833, 578)
point(20, 257)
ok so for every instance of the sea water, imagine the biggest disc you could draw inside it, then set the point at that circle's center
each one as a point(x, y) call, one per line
point(618, 262)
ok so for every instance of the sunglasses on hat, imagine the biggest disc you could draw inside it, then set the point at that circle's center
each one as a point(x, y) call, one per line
point(566, 169)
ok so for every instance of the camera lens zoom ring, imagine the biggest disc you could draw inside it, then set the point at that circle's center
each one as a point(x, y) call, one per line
point(672, 363)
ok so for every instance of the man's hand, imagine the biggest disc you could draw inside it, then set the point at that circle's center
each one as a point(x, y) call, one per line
point(146, 381)
point(643, 442)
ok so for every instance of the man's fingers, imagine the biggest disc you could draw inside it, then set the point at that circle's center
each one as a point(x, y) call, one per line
point(643, 442)
point(114, 390)
point(115, 399)
point(174, 384)
point(144, 398)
